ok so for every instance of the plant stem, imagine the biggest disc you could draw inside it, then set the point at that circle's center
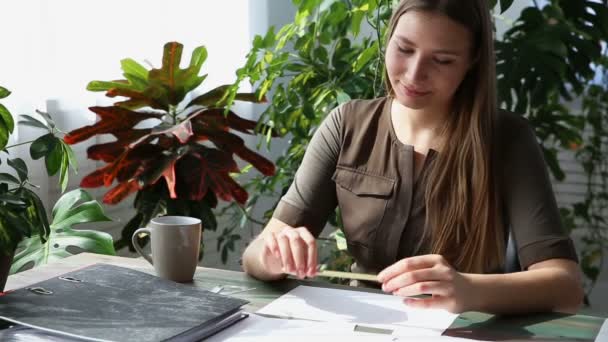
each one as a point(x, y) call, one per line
point(19, 144)
point(535, 4)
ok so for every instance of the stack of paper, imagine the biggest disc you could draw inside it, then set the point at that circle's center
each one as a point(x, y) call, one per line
point(361, 309)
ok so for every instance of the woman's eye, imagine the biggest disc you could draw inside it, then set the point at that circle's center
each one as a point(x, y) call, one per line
point(404, 50)
point(443, 61)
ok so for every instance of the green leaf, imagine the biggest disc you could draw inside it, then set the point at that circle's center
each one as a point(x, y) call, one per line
point(5, 177)
point(365, 57)
point(105, 86)
point(37, 213)
point(47, 118)
point(12, 199)
point(53, 160)
point(7, 117)
point(4, 134)
point(60, 245)
point(67, 201)
point(42, 146)
point(32, 122)
point(199, 56)
point(71, 156)
point(342, 97)
point(63, 171)
point(4, 92)
point(504, 5)
point(62, 236)
point(19, 165)
point(134, 69)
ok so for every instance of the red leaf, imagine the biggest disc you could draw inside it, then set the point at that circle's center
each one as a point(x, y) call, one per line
point(108, 152)
point(221, 189)
point(219, 160)
point(258, 161)
point(183, 131)
point(191, 177)
point(113, 120)
point(120, 192)
point(235, 144)
point(169, 175)
point(95, 178)
point(236, 190)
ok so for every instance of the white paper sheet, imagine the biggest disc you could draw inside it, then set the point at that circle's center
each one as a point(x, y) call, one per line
point(370, 309)
point(255, 329)
point(603, 334)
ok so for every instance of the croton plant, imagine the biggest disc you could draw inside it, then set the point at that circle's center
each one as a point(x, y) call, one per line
point(174, 149)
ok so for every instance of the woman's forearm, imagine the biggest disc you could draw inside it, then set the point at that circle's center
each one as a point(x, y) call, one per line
point(538, 290)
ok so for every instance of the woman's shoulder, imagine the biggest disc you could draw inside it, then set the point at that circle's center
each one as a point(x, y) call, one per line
point(359, 111)
point(515, 134)
point(362, 106)
point(511, 125)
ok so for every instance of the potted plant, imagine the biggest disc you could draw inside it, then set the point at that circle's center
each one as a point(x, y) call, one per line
point(24, 226)
point(183, 161)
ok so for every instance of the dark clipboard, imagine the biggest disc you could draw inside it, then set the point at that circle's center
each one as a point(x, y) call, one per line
point(110, 303)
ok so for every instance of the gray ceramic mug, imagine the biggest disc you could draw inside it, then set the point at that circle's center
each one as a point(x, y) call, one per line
point(175, 246)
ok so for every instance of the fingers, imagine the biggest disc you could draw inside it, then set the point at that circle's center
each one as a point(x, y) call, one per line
point(295, 249)
point(410, 264)
point(435, 302)
point(286, 253)
point(409, 278)
point(435, 288)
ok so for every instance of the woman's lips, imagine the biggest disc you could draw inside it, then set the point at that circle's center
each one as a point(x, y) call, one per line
point(414, 92)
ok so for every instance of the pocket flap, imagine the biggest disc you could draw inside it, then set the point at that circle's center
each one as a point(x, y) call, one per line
point(362, 183)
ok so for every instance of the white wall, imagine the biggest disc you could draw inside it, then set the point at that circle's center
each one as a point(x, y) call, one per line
point(53, 48)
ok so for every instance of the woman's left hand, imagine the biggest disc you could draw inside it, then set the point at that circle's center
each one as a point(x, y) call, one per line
point(432, 275)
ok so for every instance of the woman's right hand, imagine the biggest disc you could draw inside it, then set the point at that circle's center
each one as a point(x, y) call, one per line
point(290, 250)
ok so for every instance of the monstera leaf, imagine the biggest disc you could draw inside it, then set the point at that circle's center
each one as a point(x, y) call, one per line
point(73, 208)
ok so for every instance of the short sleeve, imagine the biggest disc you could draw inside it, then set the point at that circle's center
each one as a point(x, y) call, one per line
point(311, 198)
point(529, 201)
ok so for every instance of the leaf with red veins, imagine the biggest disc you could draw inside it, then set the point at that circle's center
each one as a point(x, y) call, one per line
point(239, 194)
point(216, 119)
point(220, 160)
point(113, 120)
point(108, 152)
point(95, 178)
point(265, 166)
point(169, 175)
point(219, 187)
point(120, 192)
point(234, 144)
point(137, 99)
point(191, 178)
point(183, 131)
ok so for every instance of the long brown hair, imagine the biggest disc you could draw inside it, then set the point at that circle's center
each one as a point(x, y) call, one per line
point(462, 205)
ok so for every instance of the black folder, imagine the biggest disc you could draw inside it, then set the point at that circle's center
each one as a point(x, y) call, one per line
point(110, 303)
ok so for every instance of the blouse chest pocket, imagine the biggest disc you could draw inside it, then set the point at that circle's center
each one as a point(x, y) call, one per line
point(363, 199)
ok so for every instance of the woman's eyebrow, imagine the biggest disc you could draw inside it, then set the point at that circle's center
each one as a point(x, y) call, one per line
point(441, 51)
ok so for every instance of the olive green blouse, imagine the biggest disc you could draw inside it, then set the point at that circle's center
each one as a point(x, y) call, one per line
point(356, 162)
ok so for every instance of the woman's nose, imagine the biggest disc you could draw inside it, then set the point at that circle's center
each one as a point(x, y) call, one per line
point(417, 69)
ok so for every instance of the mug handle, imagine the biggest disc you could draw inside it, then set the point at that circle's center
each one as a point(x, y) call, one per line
point(134, 240)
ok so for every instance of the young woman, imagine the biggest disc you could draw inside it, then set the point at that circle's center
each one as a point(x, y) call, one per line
point(430, 180)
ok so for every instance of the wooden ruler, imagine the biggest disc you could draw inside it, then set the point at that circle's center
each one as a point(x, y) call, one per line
point(348, 275)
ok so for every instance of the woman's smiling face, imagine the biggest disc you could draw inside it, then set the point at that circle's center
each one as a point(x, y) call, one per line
point(427, 58)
